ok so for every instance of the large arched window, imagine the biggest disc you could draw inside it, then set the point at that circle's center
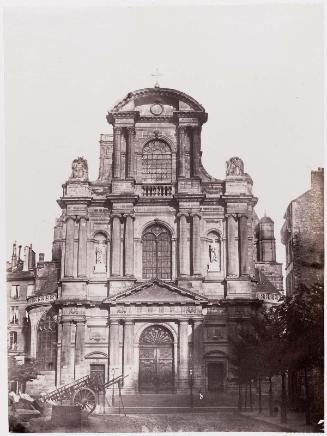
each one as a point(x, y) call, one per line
point(156, 162)
point(47, 341)
point(156, 242)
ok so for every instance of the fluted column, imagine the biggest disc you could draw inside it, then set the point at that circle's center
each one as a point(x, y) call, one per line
point(196, 150)
point(66, 343)
point(114, 346)
point(130, 152)
point(129, 245)
point(181, 151)
point(196, 244)
point(232, 248)
point(79, 341)
point(243, 232)
point(183, 354)
point(183, 270)
point(116, 152)
point(69, 247)
point(115, 245)
point(129, 351)
point(82, 250)
point(198, 352)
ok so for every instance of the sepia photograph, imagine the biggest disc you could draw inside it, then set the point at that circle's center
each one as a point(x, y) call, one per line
point(164, 209)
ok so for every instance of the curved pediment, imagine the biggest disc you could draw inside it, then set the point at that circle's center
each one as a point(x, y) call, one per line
point(156, 291)
point(176, 100)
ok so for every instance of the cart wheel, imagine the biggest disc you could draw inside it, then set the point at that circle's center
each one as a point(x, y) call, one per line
point(86, 399)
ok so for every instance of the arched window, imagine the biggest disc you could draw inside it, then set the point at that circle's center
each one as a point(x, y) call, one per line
point(47, 341)
point(156, 162)
point(100, 248)
point(213, 252)
point(12, 341)
point(156, 242)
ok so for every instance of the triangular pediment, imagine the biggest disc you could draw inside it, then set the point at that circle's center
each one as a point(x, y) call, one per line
point(156, 291)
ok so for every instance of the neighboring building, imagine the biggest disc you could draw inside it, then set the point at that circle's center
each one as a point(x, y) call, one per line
point(303, 236)
point(158, 261)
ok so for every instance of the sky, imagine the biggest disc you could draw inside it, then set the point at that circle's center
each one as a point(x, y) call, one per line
point(257, 70)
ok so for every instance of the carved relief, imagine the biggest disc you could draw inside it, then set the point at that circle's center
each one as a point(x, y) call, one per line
point(79, 169)
point(234, 167)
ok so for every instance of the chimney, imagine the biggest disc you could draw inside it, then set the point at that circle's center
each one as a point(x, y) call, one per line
point(41, 257)
point(31, 258)
point(14, 256)
point(25, 267)
point(19, 251)
point(317, 180)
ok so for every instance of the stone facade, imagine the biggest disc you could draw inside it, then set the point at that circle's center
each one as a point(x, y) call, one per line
point(303, 236)
point(158, 261)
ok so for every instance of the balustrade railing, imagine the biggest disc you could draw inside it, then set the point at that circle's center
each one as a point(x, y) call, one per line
point(157, 190)
point(41, 299)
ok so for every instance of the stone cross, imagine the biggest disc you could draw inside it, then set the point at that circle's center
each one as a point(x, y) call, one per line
point(156, 74)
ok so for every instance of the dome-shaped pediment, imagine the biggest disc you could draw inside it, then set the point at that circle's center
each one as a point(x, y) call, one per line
point(158, 101)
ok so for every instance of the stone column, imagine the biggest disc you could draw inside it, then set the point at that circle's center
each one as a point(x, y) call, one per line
point(34, 319)
point(243, 237)
point(79, 342)
point(129, 352)
point(183, 355)
point(130, 152)
point(69, 247)
point(198, 352)
point(232, 249)
point(65, 365)
point(129, 245)
point(196, 244)
point(116, 152)
point(196, 150)
point(181, 151)
point(183, 270)
point(114, 347)
point(115, 245)
point(82, 249)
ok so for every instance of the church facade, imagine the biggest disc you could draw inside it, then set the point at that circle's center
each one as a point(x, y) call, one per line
point(157, 261)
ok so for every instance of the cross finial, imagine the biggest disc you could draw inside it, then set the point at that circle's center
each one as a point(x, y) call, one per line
point(156, 74)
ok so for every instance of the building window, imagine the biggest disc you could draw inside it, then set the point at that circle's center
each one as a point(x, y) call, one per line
point(213, 252)
point(15, 290)
point(47, 341)
point(30, 290)
point(156, 244)
point(14, 315)
point(100, 248)
point(13, 341)
point(156, 162)
point(216, 332)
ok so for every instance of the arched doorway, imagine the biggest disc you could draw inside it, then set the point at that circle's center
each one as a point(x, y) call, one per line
point(156, 372)
point(156, 257)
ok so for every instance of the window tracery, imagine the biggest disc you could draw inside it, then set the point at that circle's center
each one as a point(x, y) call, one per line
point(156, 243)
point(156, 162)
point(47, 341)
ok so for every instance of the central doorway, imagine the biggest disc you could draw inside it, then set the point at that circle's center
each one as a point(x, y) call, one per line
point(215, 371)
point(156, 360)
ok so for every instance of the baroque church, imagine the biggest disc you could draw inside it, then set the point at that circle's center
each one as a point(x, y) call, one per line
point(157, 262)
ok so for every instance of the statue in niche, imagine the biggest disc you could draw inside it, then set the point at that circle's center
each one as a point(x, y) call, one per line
point(100, 254)
point(213, 252)
point(79, 169)
point(234, 167)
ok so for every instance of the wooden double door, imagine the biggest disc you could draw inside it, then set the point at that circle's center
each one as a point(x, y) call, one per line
point(156, 365)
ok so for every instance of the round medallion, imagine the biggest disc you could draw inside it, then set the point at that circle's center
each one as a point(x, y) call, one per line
point(156, 109)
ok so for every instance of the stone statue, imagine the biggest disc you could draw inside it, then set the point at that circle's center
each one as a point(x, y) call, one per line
point(212, 253)
point(79, 169)
point(100, 253)
point(234, 167)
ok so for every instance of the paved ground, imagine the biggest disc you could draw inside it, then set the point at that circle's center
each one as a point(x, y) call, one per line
point(179, 422)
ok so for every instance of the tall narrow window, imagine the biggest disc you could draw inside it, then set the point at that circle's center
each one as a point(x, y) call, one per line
point(47, 341)
point(12, 341)
point(156, 242)
point(14, 315)
point(156, 162)
point(14, 292)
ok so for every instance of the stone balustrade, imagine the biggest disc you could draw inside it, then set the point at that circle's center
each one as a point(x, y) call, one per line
point(157, 190)
point(41, 299)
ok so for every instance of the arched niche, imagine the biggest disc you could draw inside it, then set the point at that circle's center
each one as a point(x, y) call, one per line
point(100, 252)
point(213, 251)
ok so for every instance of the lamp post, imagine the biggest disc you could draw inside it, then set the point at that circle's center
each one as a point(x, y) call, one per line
point(190, 380)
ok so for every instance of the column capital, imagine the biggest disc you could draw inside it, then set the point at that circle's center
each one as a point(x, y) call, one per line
point(194, 214)
point(66, 321)
point(129, 322)
point(130, 214)
point(131, 130)
point(117, 129)
point(115, 215)
point(114, 322)
point(68, 217)
point(81, 217)
point(243, 215)
point(231, 215)
point(180, 214)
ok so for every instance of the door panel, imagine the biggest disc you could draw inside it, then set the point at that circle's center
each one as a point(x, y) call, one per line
point(156, 369)
point(215, 372)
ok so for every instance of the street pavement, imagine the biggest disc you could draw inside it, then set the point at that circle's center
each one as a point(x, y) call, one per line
point(222, 421)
